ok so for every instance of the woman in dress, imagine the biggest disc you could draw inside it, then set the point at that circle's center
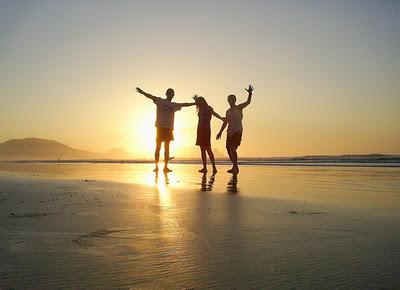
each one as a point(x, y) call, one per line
point(205, 112)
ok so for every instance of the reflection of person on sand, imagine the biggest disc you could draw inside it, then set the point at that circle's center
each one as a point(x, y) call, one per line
point(234, 117)
point(205, 113)
point(166, 179)
point(232, 184)
point(165, 122)
point(207, 185)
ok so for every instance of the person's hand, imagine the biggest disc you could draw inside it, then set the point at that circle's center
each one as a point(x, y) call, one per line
point(219, 136)
point(195, 97)
point(250, 89)
point(139, 90)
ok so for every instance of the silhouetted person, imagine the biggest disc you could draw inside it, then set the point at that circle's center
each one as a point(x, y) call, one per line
point(205, 113)
point(234, 117)
point(165, 122)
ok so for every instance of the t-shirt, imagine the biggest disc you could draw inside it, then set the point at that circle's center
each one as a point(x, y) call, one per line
point(205, 115)
point(166, 113)
point(234, 117)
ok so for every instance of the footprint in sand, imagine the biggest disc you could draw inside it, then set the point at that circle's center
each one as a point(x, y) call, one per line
point(87, 240)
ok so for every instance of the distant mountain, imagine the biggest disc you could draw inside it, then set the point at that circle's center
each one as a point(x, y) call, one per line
point(42, 149)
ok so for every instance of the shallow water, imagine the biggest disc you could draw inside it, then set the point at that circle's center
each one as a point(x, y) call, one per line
point(121, 226)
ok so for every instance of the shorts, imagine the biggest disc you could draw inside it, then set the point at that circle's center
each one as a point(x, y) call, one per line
point(203, 137)
point(234, 140)
point(164, 134)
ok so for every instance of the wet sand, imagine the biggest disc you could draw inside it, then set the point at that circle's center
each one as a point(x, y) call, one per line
point(107, 226)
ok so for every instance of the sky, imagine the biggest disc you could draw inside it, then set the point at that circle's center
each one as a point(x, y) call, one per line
point(326, 73)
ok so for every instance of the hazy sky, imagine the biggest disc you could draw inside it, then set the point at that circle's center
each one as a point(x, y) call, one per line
point(326, 73)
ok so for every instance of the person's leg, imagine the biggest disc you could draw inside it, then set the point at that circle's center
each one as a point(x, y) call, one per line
point(166, 156)
point(203, 159)
point(238, 140)
point(233, 156)
point(157, 154)
point(235, 160)
point(228, 149)
point(212, 159)
point(228, 146)
point(229, 153)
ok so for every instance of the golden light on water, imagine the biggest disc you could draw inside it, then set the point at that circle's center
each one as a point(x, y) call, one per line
point(162, 183)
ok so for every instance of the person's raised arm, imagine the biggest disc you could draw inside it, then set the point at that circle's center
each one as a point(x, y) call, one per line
point(187, 104)
point(245, 104)
point(147, 95)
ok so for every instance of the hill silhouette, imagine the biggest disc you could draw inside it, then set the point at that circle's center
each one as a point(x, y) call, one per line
point(42, 149)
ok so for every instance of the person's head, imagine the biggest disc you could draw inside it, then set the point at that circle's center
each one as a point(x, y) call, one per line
point(170, 94)
point(232, 100)
point(201, 103)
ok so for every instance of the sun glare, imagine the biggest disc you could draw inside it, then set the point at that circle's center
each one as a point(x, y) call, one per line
point(142, 135)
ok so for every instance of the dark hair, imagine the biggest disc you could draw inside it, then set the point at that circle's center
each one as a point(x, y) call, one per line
point(232, 97)
point(201, 102)
point(170, 93)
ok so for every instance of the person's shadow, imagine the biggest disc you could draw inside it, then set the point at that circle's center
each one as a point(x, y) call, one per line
point(232, 184)
point(207, 185)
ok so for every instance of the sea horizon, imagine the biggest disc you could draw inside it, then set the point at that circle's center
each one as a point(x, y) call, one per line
point(374, 160)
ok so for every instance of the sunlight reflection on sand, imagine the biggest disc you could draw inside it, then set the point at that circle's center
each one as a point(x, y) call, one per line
point(121, 225)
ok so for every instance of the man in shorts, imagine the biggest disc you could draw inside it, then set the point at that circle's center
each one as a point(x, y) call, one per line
point(164, 123)
point(234, 117)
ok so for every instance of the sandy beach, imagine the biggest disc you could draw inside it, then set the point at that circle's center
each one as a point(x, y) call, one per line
point(120, 226)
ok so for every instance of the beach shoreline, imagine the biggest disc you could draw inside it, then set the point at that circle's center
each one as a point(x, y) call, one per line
point(122, 226)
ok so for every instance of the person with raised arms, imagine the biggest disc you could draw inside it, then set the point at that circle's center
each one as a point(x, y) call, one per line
point(164, 122)
point(234, 118)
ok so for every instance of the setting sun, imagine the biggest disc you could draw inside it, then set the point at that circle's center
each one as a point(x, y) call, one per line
point(142, 132)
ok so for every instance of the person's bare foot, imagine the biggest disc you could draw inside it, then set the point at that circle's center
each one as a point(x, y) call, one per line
point(203, 170)
point(234, 170)
point(214, 171)
point(166, 169)
point(155, 169)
